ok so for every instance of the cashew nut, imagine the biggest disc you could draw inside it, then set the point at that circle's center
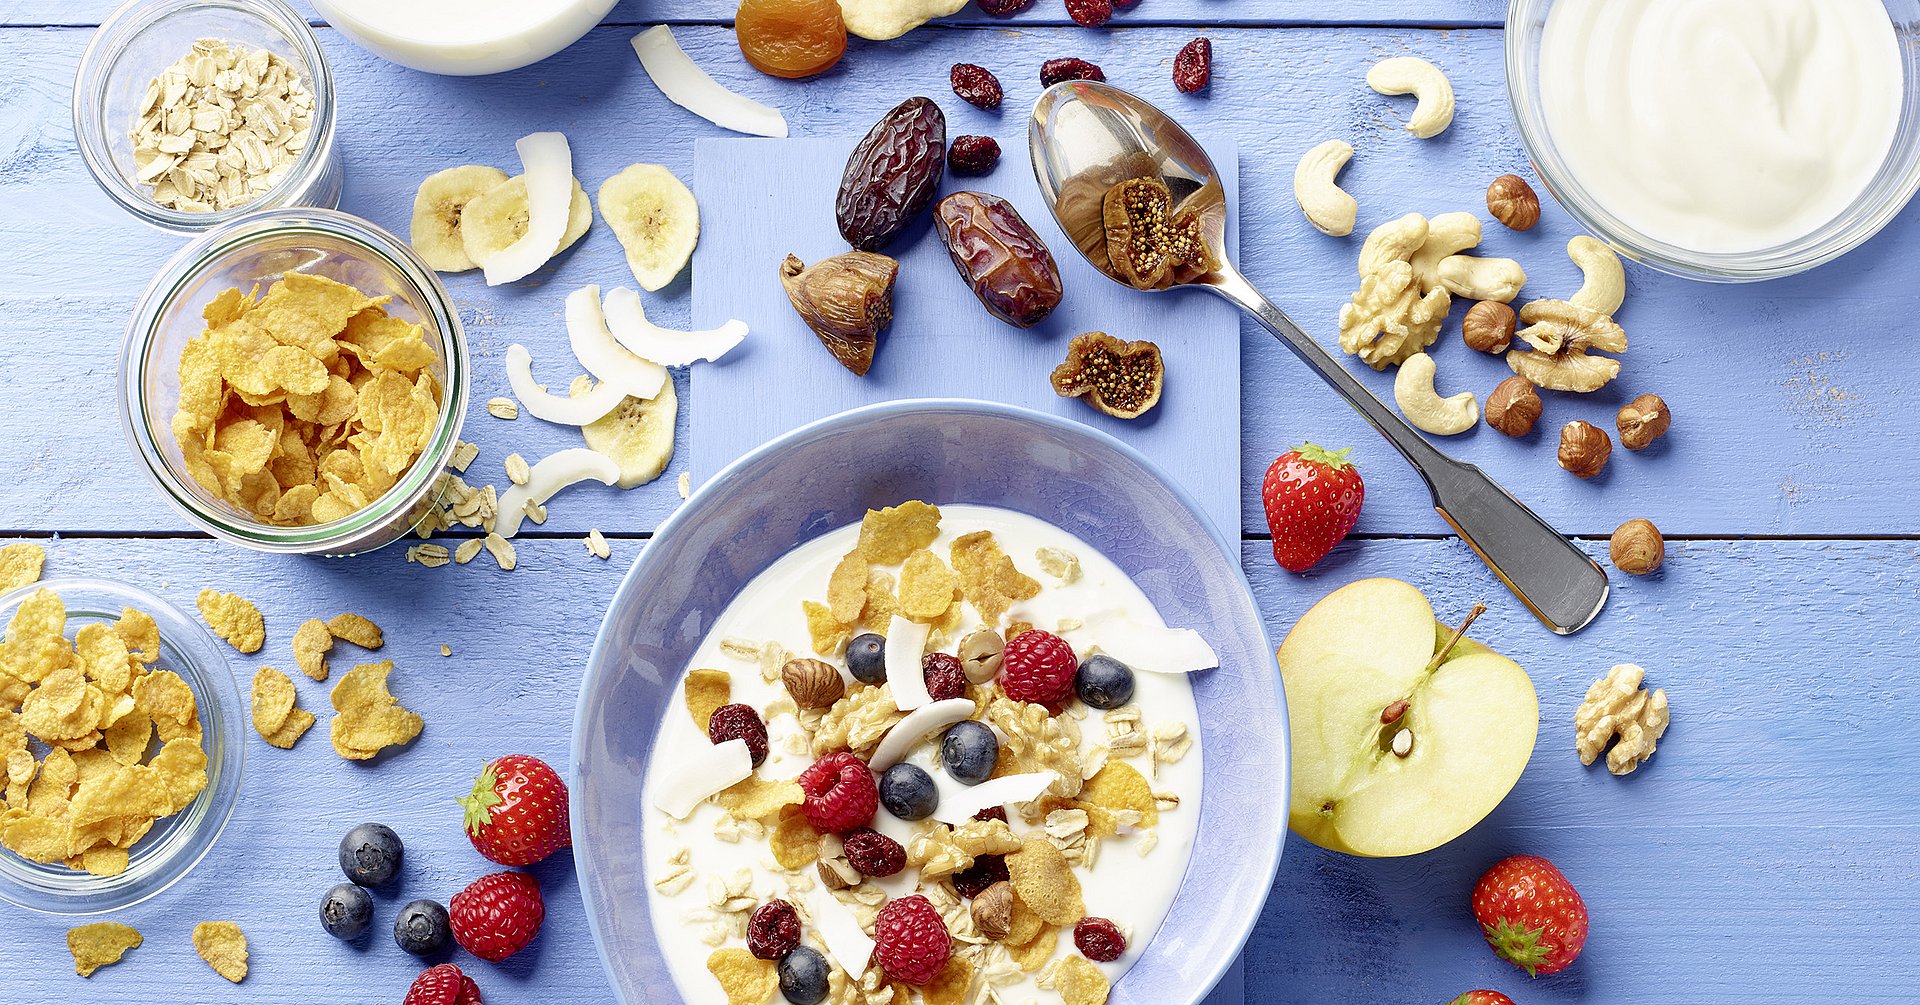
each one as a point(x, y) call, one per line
point(1415, 76)
point(1393, 241)
point(1413, 392)
point(1482, 278)
point(1605, 285)
point(1447, 234)
point(1327, 206)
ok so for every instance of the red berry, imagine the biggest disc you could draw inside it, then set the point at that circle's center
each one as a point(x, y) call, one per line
point(1038, 666)
point(841, 793)
point(992, 813)
point(497, 915)
point(985, 871)
point(872, 853)
point(1532, 916)
point(439, 985)
point(1312, 497)
point(1099, 939)
point(945, 678)
point(773, 930)
point(517, 811)
point(972, 155)
point(469, 992)
point(1091, 13)
point(976, 85)
point(1003, 8)
point(1193, 67)
point(1482, 998)
point(910, 941)
point(739, 722)
point(1054, 71)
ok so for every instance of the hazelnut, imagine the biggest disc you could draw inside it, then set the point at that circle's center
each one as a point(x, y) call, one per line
point(1512, 202)
point(1514, 407)
point(1584, 448)
point(835, 870)
point(1637, 547)
point(1642, 421)
point(812, 683)
point(1488, 327)
point(980, 655)
point(993, 910)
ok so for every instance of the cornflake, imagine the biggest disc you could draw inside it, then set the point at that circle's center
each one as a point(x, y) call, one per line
point(368, 717)
point(20, 565)
point(1044, 881)
point(276, 716)
point(224, 947)
point(312, 641)
point(1078, 981)
point(99, 945)
point(358, 630)
point(988, 578)
point(233, 618)
point(706, 691)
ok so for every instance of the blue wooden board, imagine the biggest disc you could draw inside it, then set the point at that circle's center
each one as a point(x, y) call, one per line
point(778, 199)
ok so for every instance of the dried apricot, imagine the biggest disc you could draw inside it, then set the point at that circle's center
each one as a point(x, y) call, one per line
point(791, 38)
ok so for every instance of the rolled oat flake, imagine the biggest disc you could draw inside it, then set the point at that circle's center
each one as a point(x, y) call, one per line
point(220, 127)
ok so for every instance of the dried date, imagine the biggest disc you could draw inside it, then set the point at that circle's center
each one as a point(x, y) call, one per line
point(892, 174)
point(999, 256)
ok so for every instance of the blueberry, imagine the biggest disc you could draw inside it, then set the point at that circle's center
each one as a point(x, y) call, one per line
point(867, 659)
point(422, 928)
point(969, 751)
point(907, 792)
point(346, 911)
point(803, 976)
point(370, 855)
point(1104, 682)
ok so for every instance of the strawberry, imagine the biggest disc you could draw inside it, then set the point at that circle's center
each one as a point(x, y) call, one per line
point(441, 985)
point(1533, 918)
point(497, 915)
point(1312, 496)
point(1482, 998)
point(517, 812)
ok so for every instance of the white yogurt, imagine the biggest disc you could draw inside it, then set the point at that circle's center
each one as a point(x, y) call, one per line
point(464, 37)
point(1722, 126)
point(1134, 891)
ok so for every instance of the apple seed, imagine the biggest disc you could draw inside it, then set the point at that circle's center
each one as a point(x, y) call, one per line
point(1392, 713)
point(1403, 743)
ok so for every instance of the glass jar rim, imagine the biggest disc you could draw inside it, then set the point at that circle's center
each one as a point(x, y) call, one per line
point(205, 253)
point(92, 133)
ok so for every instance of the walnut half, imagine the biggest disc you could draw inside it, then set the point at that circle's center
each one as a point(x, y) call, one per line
point(1616, 705)
point(1392, 316)
point(1558, 337)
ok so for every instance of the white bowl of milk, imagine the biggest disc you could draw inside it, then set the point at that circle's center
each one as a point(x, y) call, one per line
point(464, 37)
point(1724, 140)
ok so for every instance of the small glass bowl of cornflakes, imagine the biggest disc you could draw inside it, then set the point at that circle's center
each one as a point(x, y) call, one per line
point(123, 740)
point(294, 382)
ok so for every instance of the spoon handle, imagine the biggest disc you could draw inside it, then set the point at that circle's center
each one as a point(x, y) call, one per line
point(1555, 580)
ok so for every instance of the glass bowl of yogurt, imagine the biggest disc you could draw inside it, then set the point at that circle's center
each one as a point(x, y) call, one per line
point(464, 37)
point(722, 584)
point(1721, 140)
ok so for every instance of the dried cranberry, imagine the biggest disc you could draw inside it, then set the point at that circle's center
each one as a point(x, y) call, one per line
point(972, 155)
point(1054, 71)
point(739, 722)
point(976, 85)
point(992, 813)
point(1193, 67)
point(1099, 939)
point(1091, 13)
point(773, 930)
point(985, 871)
point(872, 853)
point(1003, 8)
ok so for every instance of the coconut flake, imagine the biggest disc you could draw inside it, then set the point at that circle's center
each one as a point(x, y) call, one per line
point(686, 85)
point(906, 644)
point(554, 472)
point(959, 807)
point(574, 411)
point(1150, 648)
point(917, 724)
point(547, 163)
point(848, 944)
point(700, 774)
point(627, 319)
point(594, 346)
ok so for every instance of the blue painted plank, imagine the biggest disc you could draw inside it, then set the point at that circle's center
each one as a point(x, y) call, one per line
point(942, 343)
point(1776, 797)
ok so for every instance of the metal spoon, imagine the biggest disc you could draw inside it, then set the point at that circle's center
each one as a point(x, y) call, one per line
point(1086, 137)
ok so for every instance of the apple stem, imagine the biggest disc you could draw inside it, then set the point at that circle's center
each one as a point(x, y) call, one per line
point(1458, 634)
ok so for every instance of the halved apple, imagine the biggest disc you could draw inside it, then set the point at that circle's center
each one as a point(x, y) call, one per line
point(1471, 721)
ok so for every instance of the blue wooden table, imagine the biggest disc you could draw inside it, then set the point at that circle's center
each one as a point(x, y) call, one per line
point(1767, 854)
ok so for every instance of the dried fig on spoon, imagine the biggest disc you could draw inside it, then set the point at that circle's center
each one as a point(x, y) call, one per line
point(847, 300)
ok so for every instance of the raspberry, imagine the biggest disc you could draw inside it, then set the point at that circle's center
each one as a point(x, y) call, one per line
point(911, 942)
point(1090, 13)
point(945, 679)
point(1004, 8)
point(1193, 67)
point(497, 915)
point(992, 813)
point(773, 930)
point(1038, 667)
point(739, 722)
point(1054, 71)
point(985, 871)
point(872, 853)
point(976, 85)
point(439, 985)
point(841, 793)
point(1099, 939)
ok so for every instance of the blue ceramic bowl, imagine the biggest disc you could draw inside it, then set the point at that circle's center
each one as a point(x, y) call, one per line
point(828, 474)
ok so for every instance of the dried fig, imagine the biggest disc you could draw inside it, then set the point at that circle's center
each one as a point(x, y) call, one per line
point(1122, 379)
point(1147, 241)
point(847, 300)
point(1000, 257)
point(892, 174)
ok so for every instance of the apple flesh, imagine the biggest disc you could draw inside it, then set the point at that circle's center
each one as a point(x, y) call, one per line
point(1473, 720)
